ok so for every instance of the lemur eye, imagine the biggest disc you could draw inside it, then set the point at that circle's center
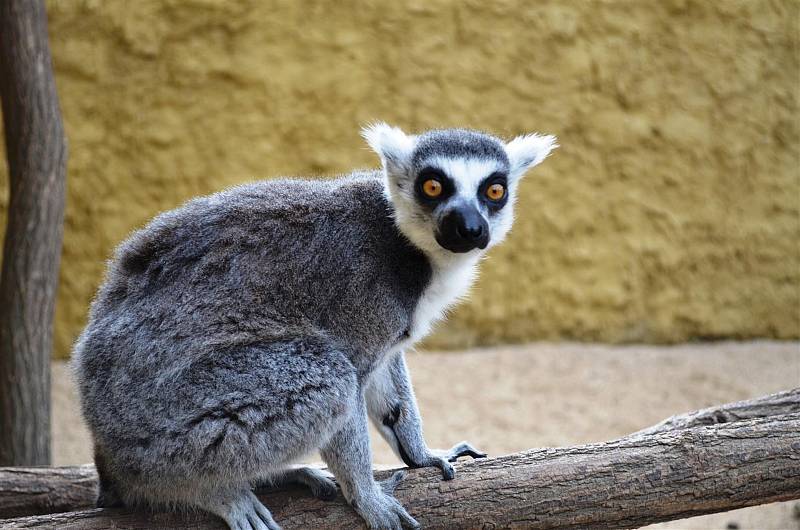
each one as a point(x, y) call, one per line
point(432, 188)
point(496, 192)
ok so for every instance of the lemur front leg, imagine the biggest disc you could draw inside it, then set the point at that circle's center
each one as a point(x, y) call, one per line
point(393, 409)
point(349, 457)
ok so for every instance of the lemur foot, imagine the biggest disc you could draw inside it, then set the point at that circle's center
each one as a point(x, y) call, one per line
point(442, 459)
point(318, 481)
point(381, 511)
point(390, 484)
point(245, 512)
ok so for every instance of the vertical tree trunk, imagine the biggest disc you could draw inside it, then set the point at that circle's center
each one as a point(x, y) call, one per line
point(37, 154)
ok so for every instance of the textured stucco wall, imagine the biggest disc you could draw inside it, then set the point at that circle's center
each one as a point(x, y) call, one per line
point(671, 212)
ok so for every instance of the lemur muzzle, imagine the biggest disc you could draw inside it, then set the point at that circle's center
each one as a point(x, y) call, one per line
point(463, 229)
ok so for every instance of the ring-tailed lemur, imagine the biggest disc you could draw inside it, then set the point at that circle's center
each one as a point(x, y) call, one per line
point(246, 329)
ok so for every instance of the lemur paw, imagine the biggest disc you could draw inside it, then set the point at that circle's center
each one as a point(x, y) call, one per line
point(381, 511)
point(442, 459)
point(463, 449)
point(322, 485)
point(245, 512)
point(390, 484)
point(448, 473)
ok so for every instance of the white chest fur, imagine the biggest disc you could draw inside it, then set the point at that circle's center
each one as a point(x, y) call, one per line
point(450, 280)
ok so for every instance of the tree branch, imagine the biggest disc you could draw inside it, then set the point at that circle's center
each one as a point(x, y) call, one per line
point(681, 468)
point(787, 402)
point(42, 490)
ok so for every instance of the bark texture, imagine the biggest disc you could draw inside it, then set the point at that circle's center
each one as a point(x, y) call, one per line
point(37, 154)
point(787, 402)
point(41, 490)
point(682, 471)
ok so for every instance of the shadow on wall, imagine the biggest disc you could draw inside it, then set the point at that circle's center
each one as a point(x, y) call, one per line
point(670, 213)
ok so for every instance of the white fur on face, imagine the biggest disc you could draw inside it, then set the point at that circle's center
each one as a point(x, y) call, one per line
point(396, 149)
point(453, 274)
point(467, 173)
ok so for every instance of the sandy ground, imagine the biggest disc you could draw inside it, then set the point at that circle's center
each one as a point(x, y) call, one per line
point(512, 398)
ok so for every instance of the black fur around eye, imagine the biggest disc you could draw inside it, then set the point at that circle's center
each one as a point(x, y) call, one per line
point(432, 186)
point(495, 185)
point(431, 173)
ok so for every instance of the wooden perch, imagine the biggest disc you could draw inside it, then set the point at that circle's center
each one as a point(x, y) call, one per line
point(773, 405)
point(714, 460)
point(41, 490)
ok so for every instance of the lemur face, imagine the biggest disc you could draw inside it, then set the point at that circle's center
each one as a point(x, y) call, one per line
point(460, 180)
point(453, 190)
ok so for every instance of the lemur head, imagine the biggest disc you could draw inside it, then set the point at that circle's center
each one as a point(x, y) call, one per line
point(453, 190)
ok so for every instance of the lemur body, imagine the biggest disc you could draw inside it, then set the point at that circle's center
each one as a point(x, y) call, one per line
point(244, 330)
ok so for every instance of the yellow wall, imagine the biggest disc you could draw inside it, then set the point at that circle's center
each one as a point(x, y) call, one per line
point(671, 212)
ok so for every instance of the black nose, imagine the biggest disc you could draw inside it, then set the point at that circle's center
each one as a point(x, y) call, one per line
point(462, 229)
point(470, 229)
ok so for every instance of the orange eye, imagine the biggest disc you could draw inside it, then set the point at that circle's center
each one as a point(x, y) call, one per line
point(496, 192)
point(432, 188)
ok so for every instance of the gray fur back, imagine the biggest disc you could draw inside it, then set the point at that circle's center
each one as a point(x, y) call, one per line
point(299, 264)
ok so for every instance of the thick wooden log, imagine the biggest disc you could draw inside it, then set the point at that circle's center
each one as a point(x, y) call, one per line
point(42, 490)
point(787, 402)
point(626, 483)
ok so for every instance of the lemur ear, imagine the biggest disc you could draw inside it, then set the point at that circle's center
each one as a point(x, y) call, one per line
point(391, 144)
point(528, 150)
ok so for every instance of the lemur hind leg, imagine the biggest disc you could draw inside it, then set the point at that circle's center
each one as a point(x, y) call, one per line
point(241, 414)
point(393, 409)
point(320, 482)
